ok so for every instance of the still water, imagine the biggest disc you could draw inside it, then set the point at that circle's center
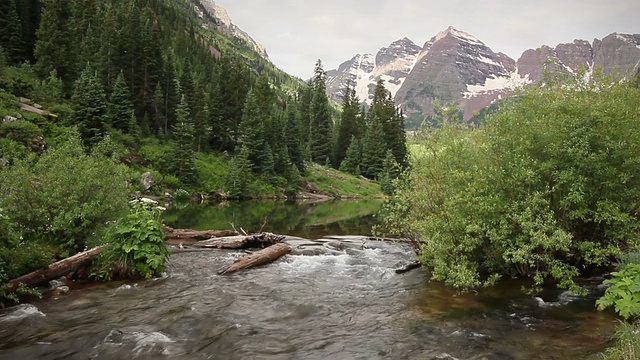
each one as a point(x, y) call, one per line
point(347, 305)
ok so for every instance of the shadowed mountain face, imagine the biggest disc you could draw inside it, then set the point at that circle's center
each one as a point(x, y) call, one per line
point(456, 67)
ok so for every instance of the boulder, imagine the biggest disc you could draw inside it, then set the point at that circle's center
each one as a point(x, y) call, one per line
point(147, 181)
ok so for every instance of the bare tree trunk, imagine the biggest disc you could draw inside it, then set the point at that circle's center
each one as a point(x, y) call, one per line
point(260, 257)
point(195, 235)
point(55, 270)
point(241, 241)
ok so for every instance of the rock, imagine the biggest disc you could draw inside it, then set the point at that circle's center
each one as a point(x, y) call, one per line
point(335, 244)
point(147, 180)
point(9, 118)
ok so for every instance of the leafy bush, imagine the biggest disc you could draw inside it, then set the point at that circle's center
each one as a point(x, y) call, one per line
point(23, 132)
point(136, 243)
point(547, 187)
point(624, 292)
point(64, 196)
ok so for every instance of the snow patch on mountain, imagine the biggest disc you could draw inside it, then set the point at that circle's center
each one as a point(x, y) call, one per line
point(497, 84)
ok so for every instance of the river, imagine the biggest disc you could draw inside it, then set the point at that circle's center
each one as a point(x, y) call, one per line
point(346, 305)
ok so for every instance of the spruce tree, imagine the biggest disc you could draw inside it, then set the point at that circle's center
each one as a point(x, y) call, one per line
point(90, 107)
point(251, 133)
point(183, 162)
point(120, 106)
point(55, 46)
point(353, 158)
point(238, 177)
point(374, 150)
point(293, 137)
point(390, 172)
point(320, 132)
point(11, 32)
point(349, 124)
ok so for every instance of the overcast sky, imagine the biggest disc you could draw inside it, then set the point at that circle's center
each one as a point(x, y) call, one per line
point(296, 33)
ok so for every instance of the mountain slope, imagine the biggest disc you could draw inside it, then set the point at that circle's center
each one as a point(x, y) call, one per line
point(456, 67)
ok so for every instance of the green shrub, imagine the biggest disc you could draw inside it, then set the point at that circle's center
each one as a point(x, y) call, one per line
point(136, 244)
point(64, 196)
point(24, 132)
point(627, 343)
point(547, 187)
point(624, 292)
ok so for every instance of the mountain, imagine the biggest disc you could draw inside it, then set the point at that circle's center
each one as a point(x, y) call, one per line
point(221, 21)
point(457, 67)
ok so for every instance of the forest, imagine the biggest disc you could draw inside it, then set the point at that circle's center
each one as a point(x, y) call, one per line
point(122, 88)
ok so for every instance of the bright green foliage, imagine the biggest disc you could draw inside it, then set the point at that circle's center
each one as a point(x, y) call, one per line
point(624, 292)
point(547, 187)
point(135, 243)
point(64, 196)
point(90, 107)
point(24, 132)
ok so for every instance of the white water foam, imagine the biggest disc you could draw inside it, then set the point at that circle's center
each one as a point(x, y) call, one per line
point(21, 312)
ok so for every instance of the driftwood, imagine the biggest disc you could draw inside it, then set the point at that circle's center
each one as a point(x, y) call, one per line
point(55, 270)
point(260, 257)
point(195, 235)
point(408, 267)
point(241, 241)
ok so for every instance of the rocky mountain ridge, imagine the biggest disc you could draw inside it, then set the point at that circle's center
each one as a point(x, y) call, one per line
point(456, 67)
point(220, 19)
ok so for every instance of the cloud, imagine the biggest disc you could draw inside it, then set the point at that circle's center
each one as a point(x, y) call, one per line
point(297, 33)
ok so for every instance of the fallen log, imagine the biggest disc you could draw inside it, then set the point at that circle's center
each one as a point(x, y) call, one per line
point(55, 270)
point(241, 241)
point(409, 267)
point(195, 235)
point(260, 257)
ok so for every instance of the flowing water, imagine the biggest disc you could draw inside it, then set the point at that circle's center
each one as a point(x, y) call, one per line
point(346, 305)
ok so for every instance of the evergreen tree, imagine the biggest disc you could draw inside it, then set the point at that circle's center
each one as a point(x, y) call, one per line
point(183, 162)
point(320, 118)
point(353, 158)
point(374, 150)
point(293, 137)
point(11, 32)
point(90, 106)
point(390, 172)
point(251, 133)
point(238, 179)
point(54, 47)
point(349, 125)
point(120, 106)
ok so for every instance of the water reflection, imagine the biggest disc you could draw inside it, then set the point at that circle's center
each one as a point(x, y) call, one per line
point(344, 217)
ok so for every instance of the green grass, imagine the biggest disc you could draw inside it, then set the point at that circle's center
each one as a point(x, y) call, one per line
point(338, 184)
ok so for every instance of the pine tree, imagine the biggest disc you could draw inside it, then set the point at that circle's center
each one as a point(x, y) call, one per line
point(293, 137)
point(120, 106)
point(11, 32)
point(90, 107)
point(251, 133)
point(374, 150)
point(349, 125)
point(54, 47)
point(183, 162)
point(390, 172)
point(238, 177)
point(320, 118)
point(353, 158)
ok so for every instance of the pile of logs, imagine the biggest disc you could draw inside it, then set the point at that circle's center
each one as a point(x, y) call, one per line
point(271, 248)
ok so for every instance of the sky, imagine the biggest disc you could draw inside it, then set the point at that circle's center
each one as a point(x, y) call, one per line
point(296, 33)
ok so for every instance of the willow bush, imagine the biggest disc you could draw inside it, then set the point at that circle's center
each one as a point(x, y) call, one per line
point(546, 188)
